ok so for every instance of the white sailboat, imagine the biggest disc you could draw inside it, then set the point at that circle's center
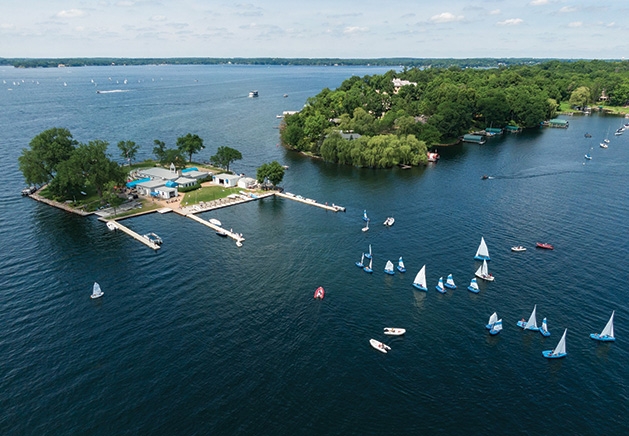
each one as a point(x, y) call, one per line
point(420, 279)
point(368, 269)
point(365, 217)
point(544, 328)
point(483, 272)
point(360, 263)
point(440, 287)
point(496, 328)
point(482, 253)
point(388, 268)
point(560, 349)
point(400, 265)
point(531, 324)
point(450, 282)
point(473, 287)
point(368, 254)
point(96, 291)
point(366, 226)
point(607, 335)
point(492, 320)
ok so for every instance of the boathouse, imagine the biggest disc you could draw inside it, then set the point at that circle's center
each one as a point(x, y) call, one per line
point(477, 139)
point(491, 131)
point(227, 180)
point(562, 124)
point(247, 183)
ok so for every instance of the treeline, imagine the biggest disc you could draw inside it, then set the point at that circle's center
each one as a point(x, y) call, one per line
point(441, 104)
point(386, 62)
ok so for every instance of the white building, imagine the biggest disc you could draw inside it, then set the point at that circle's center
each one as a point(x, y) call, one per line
point(227, 180)
point(247, 183)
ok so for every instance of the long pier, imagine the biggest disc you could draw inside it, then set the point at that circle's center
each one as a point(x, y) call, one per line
point(290, 196)
point(235, 236)
point(133, 234)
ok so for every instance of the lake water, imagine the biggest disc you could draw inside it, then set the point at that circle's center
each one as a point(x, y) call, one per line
point(203, 337)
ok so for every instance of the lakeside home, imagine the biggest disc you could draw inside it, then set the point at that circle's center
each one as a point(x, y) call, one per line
point(163, 183)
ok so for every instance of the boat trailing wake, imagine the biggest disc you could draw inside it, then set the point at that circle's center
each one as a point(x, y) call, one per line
point(531, 176)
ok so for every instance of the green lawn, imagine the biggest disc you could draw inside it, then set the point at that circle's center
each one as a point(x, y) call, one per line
point(207, 193)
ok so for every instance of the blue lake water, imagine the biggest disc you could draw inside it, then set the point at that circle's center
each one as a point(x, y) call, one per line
point(203, 337)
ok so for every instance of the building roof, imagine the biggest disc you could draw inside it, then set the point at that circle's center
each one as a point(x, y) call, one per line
point(226, 176)
point(160, 173)
point(195, 174)
point(152, 184)
point(185, 180)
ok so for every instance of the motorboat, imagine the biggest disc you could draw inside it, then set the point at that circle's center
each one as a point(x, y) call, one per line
point(544, 245)
point(518, 248)
point(383, 348)
point(154, 238)
point(389, 221)
point(393, 331)
point(253, 93)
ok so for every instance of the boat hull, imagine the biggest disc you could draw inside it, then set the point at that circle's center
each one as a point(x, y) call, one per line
point(319, 293)
point(544, 333)
point(494, 332)
point(390, 272)
point(522, 324)
point(368, 270)
point(598, 337)
point(449, 286)
point(548, 354)
point(392, 331)
point(544, 245)
point(420, 287)
point(360, 265)
point(95, 296)
point(474, 290)
point(383, 348)
point(440, 289)
point(488, 278)
point(487, 258)
point(518, 249)
point(400, 269)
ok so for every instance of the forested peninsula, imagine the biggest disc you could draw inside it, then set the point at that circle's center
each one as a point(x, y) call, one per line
point(384, 120)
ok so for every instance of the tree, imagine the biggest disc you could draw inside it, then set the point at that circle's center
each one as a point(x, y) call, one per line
point(225, 156)
point(190, 144)
point(273, 172)
point(47, 150)
point(173, 156)
point(159, 150)
point(128, 150)
point(580, 97)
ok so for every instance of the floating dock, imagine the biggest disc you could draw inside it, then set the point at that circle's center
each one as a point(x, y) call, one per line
point(235, 236)
point(117, 226)
point(290, 196)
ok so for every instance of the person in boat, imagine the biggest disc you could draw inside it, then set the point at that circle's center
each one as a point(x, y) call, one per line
point(485, 177)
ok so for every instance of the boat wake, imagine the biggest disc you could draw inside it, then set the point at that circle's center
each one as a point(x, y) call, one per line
point(531, 176)
point(112, 91)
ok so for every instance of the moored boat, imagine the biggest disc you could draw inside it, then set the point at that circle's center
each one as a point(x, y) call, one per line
point(518, 248)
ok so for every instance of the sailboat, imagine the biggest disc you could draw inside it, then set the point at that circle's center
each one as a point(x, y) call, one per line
point(483, 272)
point(482, 253)
point(496, 328)
point(544, 328)
point(492, 320)
point(360, 263)
point(365, 217)
point(473, 287)
point(368, 268)
point(400, 265)
point(607, 335)
point(388, 268)
point(531, 324)
point(420, 279)
point(96, 291)
point(440, 287)
point(560, 349)
point(450, 282)
point(366, 226)
point(368, 255)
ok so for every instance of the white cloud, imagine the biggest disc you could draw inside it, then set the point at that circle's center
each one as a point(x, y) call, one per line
point(71, 13)
point(567, 9)
point(612, 24)
point(495, 12)
point(354, 29)
point(511, 22)
point(539, 2)
point(446, 17)
point(7, 26)
point(125, 3)
point(576, 24)
point(157, 18)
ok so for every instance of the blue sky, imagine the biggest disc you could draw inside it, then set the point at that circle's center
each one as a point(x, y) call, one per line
point(593, 29)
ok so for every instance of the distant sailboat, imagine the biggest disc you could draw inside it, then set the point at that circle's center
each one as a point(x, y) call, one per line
point(365, 217)
point(531, 324)
point(492, 320)
point(450, 282)
point(96, 291)
point(360, 263)
point(482, 253)
point(368, 254)
point(496, 328)
point(607, 335)
point(420, 279)
point(473, 287)
point(440, 287)
point(368, 269)
point(560, 349)
point(388, 268)
point(544, 328)
point(400, 265)
point(366, 226)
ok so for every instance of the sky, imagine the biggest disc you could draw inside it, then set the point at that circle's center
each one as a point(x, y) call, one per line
point(586, 29)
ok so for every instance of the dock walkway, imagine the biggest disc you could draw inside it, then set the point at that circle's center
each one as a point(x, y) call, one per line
point(235, 236)
point(290, 196)
point(133, 234)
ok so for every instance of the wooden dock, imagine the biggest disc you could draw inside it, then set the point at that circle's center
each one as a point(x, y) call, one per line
point(333, 208)
point(235, 236)
point(133, 234)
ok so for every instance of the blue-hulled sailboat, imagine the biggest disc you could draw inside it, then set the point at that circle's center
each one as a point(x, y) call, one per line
point(400, 265)
point(365, 217)
point(368, 269)
point(368, 254)
point(440, 287)
point(473, 287)
point(388, 268)
point(492, 320)
point(420, 279)
point(496, 328)
point(531, 324)
point(560, 349)
point(450, 282)
point(482, 253)
point(544, 328)
point(360, 263)
point(607, 335)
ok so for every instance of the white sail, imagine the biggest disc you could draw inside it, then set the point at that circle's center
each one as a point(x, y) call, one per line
point(362, 258)
point(474, 284)
point(479, 271)
point(96, 291)
point(532, 322)
point(450, 280)
point(544, 326)
point(493, 318)
point(440, 284)
point(420, 278)
point(485, 269)
point(561, 346)
point(482, 252)
point(370, 263)
point(497, 326)
point(389, 266)
point(400, 262)
point(609, 327)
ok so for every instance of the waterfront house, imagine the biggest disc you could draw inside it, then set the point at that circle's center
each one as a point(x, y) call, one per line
point(227, 180)
point(477, 139)
point(157, 188)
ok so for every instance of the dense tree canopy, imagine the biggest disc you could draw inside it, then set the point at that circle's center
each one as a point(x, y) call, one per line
point(225, 156)
point(40, 163)
point(190, 144)
point(438, 105)
point(128, 150)
point(273, 172)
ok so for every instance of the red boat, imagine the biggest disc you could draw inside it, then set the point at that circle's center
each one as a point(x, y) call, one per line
point(545, 245)
point(319, 293)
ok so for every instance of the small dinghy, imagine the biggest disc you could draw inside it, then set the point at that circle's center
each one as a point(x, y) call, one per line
point(450, 282)
point(360, 263)
point(544, 328)
point(473, 287)
point(400, 265)
point(544, 245)
point(364, 229)
point(518, 248)
point(389, 221)
point(388, 268)
point(215, 222)
point(383, 348)
point(492, 320)
point(560, 349)
point(96, 291)
point(420, 279)
point(440, 287)
point(393, 331)
point(531, 324)
point(496, 328)
point(319, 293)
point(607, 335)
point(368, 269)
